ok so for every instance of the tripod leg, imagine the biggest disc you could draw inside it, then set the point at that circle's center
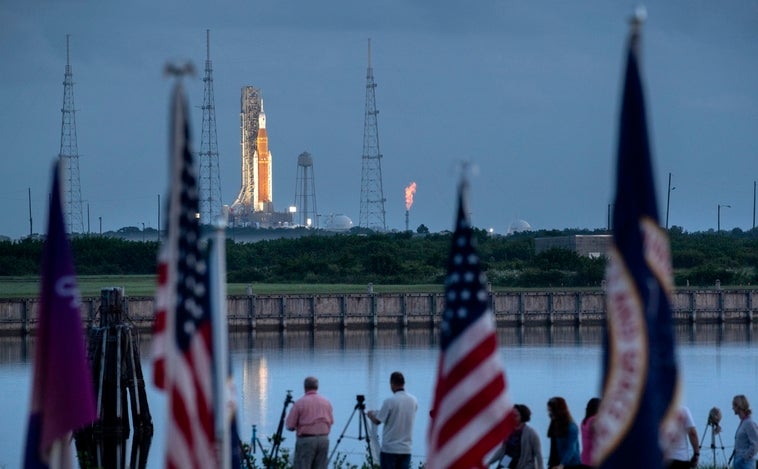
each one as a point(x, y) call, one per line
point(341, 436)
point(364, 421)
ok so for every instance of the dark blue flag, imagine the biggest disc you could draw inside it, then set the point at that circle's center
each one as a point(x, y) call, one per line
point(640, 384)
point(62, 391)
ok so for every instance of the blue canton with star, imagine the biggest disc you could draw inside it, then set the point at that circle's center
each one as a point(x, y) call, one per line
point(466, 297)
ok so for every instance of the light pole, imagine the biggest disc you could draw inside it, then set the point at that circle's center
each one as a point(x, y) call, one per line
point(143, 231)
point(101, 225)
point(718, 221)
point(668, 201)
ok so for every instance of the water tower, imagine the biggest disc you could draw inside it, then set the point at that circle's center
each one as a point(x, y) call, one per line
point(305, 192)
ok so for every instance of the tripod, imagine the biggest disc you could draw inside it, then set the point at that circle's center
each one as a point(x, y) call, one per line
point(276, 440)
point(715, 430)
point(360, 407)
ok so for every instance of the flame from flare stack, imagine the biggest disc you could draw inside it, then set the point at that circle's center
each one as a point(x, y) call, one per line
point(409, 191)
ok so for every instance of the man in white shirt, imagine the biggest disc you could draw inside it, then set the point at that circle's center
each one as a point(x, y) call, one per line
point(397, 415)
point(678, 454)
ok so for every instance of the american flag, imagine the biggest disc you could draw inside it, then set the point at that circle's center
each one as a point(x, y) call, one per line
point(471, 413)
point(182, 342)
point(640, 386)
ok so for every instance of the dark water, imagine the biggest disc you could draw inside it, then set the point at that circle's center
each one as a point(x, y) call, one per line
point(716, 362)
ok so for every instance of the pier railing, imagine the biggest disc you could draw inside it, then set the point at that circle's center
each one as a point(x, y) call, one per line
point(405, 310)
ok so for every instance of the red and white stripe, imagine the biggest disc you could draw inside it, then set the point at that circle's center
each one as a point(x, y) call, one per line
point(472, 413)
point(190, 434)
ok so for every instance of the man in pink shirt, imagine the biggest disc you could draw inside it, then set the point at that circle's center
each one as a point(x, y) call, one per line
point(311, 417)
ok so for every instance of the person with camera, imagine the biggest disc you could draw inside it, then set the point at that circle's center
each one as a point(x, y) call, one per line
point(311, 417)
point(397, 415)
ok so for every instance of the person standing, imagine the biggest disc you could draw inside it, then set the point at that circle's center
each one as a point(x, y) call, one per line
point(311, 417)
point(746, 436)
point(397, 415)
point(563, 434)
point(678, 455)
point(588, 431)
point(522, 445)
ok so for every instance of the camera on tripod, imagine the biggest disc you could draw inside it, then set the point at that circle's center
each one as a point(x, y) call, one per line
point(363, 428)
point(288, 398)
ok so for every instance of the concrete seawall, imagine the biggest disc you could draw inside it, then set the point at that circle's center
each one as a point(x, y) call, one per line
point(405, 310)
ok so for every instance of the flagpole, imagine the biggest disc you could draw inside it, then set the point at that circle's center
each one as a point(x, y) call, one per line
point(222, 394)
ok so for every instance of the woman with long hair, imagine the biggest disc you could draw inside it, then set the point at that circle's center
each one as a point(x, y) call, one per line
point(588, 430)
point(563, 434)
point(746, 436)
point(522, 446)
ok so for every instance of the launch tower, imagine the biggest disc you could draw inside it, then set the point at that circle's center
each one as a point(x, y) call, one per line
point(305, 192)
point(372, 194)
point(209, 180)
point(69, 153)
point(254, 203)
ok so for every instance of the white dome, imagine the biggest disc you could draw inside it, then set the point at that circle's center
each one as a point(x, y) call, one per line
point(338, 223)
point(518, 226)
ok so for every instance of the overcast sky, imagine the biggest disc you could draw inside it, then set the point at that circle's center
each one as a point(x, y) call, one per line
point(526, 90)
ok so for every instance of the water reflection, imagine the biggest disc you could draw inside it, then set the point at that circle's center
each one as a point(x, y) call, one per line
point(717, 362)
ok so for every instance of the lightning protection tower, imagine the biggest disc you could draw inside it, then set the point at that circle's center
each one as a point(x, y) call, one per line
point(372, 194)
point(69, 152)
point(305, 192)
point(209, 174)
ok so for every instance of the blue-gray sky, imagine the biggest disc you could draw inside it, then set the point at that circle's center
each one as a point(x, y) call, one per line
point(528, 91)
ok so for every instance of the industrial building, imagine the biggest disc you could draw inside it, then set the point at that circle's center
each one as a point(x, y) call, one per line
point(592, 246)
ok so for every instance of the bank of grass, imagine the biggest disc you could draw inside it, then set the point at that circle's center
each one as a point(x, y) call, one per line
point(144, 285)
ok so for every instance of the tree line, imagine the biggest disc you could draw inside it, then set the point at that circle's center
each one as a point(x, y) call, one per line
point(405, 258)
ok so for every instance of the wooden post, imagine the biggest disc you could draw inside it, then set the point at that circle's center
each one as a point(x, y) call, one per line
point(283, 313)
point(343, 312)
point(116, 370)
point(749, 303)
point(550, 318)
point(25, 317)
point(372, 306)
point(313, 312)
point(721, 304)
point(404, 310)
point(252, 324)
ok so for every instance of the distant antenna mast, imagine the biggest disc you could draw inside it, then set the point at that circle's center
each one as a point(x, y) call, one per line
point(209, 175)
point(305, 192)
point(372, 194)
point(69, 153)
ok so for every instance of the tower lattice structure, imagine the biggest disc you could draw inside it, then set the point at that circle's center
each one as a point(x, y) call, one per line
point(372, 213)
point(251, 105)
point(209, 175)
point(69, 152)
point(305, 192)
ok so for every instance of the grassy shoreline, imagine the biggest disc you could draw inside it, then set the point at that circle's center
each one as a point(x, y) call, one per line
point(144, 285)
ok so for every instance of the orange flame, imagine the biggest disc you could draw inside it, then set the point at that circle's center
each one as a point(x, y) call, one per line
point(409, 191)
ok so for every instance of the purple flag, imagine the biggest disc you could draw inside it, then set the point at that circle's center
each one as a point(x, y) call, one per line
point(62, 391)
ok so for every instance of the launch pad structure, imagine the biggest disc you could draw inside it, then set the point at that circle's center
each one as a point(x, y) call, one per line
point(254, 205)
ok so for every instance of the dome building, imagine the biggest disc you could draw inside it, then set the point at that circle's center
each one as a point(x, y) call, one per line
point(518, 226)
